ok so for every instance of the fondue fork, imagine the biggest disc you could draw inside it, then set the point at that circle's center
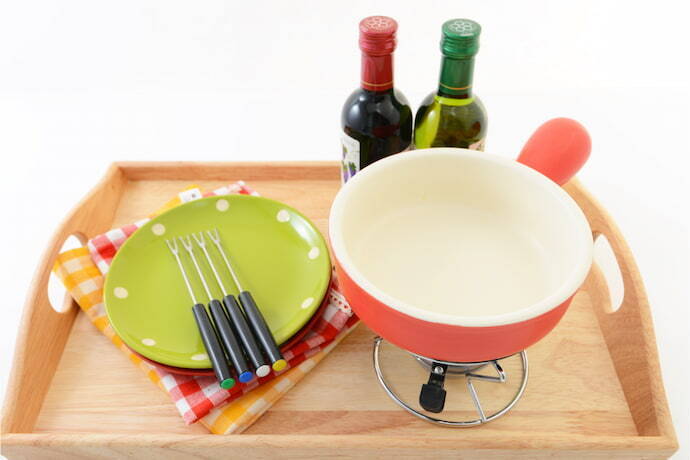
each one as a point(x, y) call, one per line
point(208, 334)
point(234, 312)
point(227, 332)
point(217, 314)
point(255, 318)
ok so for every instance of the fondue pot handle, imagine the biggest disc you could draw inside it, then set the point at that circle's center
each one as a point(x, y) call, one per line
point(557, 149)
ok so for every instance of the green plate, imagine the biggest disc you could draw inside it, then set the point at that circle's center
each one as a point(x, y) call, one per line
point(278, 254)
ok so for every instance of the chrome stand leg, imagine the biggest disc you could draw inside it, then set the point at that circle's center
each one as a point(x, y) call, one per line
point(483, 418)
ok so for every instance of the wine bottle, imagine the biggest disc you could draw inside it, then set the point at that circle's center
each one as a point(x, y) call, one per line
point(453, 116)
point(376, 119)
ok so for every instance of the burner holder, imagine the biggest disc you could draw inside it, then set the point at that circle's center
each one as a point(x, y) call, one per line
point(438, 371)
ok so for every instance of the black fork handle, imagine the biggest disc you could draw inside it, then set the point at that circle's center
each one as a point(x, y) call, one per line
point(260, 328)
point(213, 348)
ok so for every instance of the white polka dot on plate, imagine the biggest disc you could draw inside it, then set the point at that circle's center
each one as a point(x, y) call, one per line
point(314, 253)
point(148, 342)
point(283, 215)
point(222, 205)
point(158, 229)
point(307, 302)
point(120, 292)
point(199, 357)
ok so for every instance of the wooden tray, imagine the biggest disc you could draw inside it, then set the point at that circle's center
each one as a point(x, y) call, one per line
point(595, 388)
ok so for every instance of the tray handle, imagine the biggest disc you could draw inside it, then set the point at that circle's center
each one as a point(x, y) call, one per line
point(43, 331)
point(644, 389)
point(635, 303)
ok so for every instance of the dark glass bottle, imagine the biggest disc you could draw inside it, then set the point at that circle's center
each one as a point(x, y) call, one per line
point(376, 119)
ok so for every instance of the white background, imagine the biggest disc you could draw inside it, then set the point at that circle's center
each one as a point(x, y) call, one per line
point(84, 83)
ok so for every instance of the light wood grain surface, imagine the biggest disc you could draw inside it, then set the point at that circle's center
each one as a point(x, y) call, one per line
point(595, 388)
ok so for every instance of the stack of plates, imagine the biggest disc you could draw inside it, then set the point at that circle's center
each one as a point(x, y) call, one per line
point(279, 256)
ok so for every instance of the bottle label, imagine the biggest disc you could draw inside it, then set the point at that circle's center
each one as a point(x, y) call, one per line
point(479, 145)
point(350, 163)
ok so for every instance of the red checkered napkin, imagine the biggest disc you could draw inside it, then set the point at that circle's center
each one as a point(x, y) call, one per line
point(196, 396)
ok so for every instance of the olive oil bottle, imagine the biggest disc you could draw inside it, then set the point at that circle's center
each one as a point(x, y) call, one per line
point(453, 116)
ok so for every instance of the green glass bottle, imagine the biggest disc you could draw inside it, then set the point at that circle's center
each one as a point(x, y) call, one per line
point(453, 116)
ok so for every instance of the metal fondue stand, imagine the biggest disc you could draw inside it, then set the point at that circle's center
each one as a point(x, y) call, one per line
point(432, 396)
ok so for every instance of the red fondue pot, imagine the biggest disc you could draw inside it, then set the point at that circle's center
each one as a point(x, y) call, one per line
point(465, 256)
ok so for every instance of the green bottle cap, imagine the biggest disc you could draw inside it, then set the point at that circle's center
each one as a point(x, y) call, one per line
point(460, 38)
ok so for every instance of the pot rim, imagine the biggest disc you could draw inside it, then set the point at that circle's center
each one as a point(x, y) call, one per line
point(582, 235)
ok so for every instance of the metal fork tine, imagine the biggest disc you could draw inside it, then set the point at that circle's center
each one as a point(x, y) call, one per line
point(219, 246)
point(199, 239)
point(215, 237)
point(187, 243)
point(172, 246)
point(202, 244)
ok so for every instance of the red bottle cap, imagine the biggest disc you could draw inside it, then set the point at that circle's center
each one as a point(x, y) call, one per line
point(377, 35)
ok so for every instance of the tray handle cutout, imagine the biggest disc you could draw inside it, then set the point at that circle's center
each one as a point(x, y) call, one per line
point(611, 249)
point(606, 260)
point(617, 269)
point(44, 331)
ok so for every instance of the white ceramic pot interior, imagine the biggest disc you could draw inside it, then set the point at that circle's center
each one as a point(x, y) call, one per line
point(460, 237)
